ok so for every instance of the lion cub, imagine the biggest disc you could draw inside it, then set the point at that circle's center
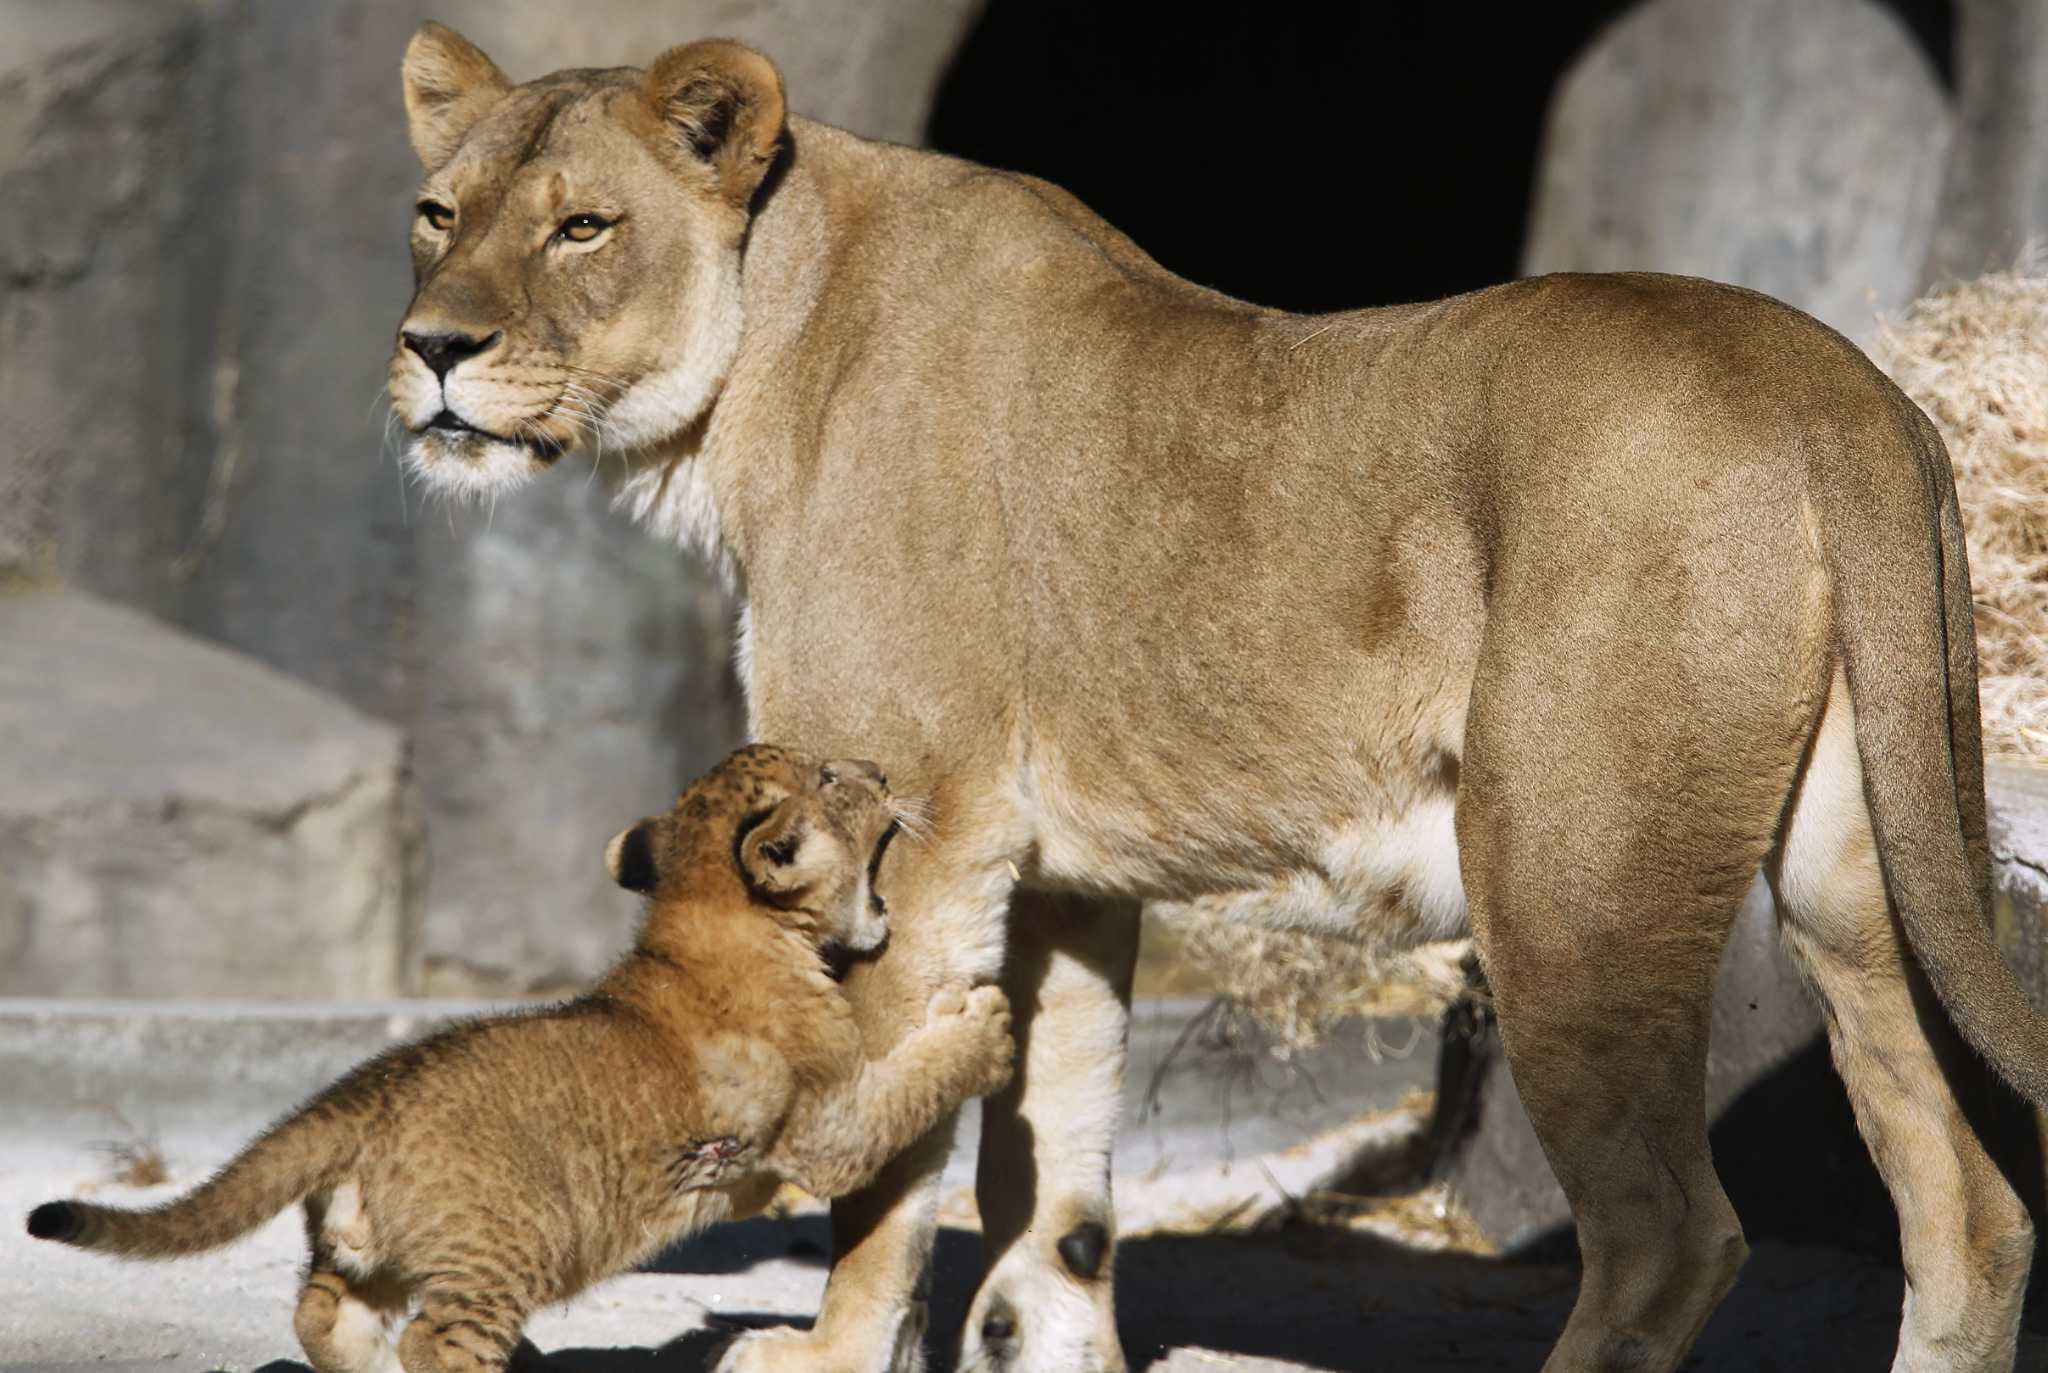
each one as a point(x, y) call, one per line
point(505, 1164)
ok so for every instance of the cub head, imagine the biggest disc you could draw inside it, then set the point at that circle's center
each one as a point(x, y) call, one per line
point(799, 839)
point(576, 252)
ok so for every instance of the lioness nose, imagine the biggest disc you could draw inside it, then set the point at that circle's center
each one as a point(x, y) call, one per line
point(442, 351)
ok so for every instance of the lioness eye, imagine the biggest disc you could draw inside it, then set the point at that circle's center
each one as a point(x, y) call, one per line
point(436, 214)
point(583, 228)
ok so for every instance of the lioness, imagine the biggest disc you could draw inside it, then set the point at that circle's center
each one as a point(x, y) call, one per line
point(506, 1164)
point(1559, 609)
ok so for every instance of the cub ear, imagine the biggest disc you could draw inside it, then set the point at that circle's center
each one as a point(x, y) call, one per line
point(449, 85)
point(629, 858)
point(723, 103)
point(778, 858)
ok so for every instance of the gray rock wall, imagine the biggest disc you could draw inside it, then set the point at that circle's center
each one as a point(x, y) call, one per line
point(1794, 146)
point(178, 820)
point(109, 258)
point(203, 207)
point(1995, 197)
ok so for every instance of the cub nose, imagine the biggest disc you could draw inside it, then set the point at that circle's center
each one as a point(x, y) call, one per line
point(841, 768)
point(441, 351)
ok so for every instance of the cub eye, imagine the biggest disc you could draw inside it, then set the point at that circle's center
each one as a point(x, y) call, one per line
point(438, 216)
point(582, 228)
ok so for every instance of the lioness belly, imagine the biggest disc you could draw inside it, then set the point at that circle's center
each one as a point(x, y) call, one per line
point(1366, 852)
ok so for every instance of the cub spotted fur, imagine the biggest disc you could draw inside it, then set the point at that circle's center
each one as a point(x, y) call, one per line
point(504, 1165)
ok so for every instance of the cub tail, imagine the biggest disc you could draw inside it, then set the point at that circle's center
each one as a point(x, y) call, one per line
point(305, 1151)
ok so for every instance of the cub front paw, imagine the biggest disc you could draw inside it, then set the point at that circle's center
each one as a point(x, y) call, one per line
point(979, 1021)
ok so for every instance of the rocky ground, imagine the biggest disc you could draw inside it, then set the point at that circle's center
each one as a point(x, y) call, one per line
point(1379, 1283)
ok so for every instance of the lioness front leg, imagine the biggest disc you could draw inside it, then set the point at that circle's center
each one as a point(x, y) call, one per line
point(1048, 1302)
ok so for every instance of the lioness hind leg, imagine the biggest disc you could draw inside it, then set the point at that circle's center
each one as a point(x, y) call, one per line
point(1605, 1029)
point(1966, 1238)
point(1603, 883)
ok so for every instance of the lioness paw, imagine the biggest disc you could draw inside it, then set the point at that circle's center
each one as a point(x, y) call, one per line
point(947, 1002)
point(768, 1351)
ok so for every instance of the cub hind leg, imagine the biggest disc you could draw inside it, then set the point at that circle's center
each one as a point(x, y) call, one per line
point(1965, 1236)
point(342, 1329)
point(471, 1329)
point(344, 1324)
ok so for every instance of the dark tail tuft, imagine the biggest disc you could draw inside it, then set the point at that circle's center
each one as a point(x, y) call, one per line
point(55, 1220)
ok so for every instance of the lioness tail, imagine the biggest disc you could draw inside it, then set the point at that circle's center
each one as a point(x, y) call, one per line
point(1908, 645)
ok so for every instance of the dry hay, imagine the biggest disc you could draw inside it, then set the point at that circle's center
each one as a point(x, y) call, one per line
point(1972, 356)
point(1298, 985)
point(134, 1158)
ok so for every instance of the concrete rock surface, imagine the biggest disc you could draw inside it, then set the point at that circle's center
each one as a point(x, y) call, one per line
point(178, 819)
point(1995, 196)
point(109, 259)
point(1794, 148)
point(2019, 857)
point(194, 1081)
point(202, 262)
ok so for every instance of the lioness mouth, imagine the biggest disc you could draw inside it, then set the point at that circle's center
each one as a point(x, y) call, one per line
point(546, 449)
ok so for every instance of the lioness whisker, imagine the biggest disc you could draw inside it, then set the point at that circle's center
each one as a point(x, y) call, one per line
point(616, 383)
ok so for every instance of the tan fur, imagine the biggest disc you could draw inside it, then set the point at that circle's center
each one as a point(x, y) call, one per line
point(507, 1164)
point(1523, 608)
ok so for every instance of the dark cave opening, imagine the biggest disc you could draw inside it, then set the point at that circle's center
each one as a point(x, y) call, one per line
point(1315, 157)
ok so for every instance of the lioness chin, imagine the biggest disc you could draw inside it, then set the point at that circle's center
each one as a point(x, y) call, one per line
point(1557, 611)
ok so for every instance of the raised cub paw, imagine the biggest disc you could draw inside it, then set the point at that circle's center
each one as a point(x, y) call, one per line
point(975, 1023)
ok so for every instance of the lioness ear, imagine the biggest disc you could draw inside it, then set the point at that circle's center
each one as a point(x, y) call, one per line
point(723, 103)
point(629, 858)
point(779, 858)
point(449, 85)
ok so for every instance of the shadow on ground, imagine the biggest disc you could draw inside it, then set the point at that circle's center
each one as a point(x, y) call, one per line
point(1798, 1174)
point(1343, 1302)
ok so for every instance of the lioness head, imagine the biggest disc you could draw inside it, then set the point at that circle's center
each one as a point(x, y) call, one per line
point(576, 252)
point(799, 838)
